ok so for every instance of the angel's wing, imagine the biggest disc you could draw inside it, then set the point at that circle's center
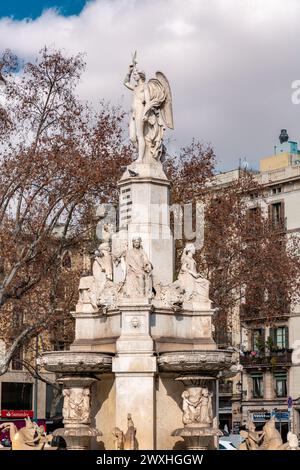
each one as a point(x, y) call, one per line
point(159, 96)
point(166, 109)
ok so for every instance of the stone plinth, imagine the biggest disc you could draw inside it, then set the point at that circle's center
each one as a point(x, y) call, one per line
point(77, 431)
point(183, 330)
point(200, 431)
point(135, 368)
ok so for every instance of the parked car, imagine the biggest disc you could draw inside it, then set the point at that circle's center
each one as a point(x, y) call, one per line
point(226, 445)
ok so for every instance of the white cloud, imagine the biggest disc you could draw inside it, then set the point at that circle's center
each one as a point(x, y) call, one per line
point(230, 63)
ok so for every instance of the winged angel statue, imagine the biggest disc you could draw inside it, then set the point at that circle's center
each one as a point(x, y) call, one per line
point(151, 113)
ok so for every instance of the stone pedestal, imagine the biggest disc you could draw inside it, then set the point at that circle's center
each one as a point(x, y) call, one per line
point(75, 371)
point(199, 413)
point(144, 212)
point(135, 368)
point(76, 412)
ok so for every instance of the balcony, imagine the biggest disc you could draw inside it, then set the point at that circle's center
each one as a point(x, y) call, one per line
point(273, 359)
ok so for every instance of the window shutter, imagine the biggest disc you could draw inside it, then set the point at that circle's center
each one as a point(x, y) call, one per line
point(273, 336)
point(286, 332)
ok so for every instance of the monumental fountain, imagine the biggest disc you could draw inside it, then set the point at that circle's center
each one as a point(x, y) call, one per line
point(144, 351)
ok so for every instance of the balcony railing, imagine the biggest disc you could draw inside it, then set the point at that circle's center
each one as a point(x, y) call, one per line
point(271, 359)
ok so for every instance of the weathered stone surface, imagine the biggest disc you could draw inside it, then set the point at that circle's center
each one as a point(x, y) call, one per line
point(75, 362)
point(196, 361)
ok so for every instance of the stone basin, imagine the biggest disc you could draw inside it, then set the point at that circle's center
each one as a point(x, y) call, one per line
point(73, 362)
point(213, 362)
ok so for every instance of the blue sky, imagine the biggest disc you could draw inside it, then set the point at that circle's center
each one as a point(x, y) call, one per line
point(20, 9)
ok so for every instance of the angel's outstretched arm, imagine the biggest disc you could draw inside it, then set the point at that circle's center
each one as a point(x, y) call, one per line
point(127, 78)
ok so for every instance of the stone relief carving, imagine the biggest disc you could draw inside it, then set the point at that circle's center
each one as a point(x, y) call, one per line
point(197, 407)
point(76, 405)
point(171, 295)
point(135, 322)
point(151, 112)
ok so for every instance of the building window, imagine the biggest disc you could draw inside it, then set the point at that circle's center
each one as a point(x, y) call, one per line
point(276, 190)
point(16, 362)
point(277, 213)
point(258, 340)
point(279, 337)
point(258, 386)
point(16, 396)
point(59, 346)
point(280, 384)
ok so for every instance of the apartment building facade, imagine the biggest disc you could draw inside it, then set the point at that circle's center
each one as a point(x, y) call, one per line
point(270, 382)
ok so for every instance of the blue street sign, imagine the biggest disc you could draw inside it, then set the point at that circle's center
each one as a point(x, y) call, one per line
point(282, 415)
point(289, 402)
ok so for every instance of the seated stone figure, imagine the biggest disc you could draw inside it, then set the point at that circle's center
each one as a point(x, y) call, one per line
point(195, 286)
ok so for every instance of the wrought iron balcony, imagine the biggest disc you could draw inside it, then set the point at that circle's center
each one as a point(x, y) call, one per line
point(272, 359)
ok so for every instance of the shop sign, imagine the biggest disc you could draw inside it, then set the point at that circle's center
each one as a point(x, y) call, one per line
point(16, 413)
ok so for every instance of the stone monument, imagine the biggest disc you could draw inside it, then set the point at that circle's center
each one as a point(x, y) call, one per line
point(143, 339)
